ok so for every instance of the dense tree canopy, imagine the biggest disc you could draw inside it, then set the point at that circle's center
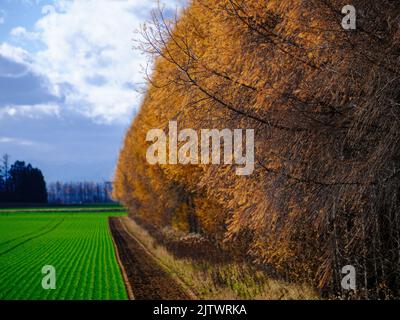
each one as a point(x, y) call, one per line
point(324, 103)
point(21, 183)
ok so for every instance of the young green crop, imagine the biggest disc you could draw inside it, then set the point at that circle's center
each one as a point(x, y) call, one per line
point(77, 244)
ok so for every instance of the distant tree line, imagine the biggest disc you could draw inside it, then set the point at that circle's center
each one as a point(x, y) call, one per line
point(21, 183)
point(80, 192)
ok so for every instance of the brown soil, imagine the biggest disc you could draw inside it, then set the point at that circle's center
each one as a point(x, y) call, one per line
point(146, 278)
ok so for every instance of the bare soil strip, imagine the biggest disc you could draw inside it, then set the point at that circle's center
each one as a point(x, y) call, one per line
point(146, 278)
point(128, 287)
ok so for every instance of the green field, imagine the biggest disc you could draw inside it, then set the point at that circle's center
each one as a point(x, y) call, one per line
point(77, 243)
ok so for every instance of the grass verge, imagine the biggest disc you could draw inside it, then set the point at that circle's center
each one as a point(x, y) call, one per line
point(228, 281)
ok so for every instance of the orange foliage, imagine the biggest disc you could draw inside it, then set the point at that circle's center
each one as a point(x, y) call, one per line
point(324, 105)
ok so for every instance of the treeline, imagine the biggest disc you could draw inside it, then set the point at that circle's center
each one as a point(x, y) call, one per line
point(21, 183)
point(324, 103)
point(80, 192)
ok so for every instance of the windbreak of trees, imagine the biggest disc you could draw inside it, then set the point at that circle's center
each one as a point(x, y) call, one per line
point(21, 183)
point(324, 103)
point(80, 192)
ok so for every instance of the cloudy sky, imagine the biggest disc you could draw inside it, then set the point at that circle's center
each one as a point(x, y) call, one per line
point(68, 82)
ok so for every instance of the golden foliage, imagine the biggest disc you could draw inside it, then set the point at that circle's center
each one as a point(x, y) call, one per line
point(325, 107)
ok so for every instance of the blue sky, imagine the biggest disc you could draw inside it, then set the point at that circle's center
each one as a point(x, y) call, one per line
point(67, 76)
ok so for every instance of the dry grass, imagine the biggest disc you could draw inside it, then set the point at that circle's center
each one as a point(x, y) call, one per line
point(229, 281)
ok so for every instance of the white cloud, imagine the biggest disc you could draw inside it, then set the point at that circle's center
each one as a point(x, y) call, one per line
point(17, 141)
point(23, 33)
point(30, 111)
point(47, 9)
point(16, 54)
point(18, 31)
point(86, 40)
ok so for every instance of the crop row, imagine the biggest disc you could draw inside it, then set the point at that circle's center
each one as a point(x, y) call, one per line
point(77, 245)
